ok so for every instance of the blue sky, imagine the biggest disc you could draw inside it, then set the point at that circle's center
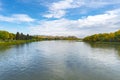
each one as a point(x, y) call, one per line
point(60, 17)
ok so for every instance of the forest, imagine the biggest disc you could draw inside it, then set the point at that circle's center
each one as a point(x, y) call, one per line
point(7, 36)
point(104, 37)
point(40, 37)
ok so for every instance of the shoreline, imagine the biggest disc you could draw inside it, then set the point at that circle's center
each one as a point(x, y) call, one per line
point(114, 43)
point(17, 42)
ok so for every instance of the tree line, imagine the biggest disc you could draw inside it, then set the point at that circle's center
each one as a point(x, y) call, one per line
point(104, 37)
point(5, 35)
point(39, 37)
point(21, 36)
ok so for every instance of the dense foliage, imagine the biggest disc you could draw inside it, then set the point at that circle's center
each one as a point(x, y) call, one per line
point(6, 36)
point(56, 38)
point(21, 36)
point(104, 37)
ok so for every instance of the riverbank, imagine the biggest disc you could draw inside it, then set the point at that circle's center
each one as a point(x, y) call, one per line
point(107, 42)
point(15, 42)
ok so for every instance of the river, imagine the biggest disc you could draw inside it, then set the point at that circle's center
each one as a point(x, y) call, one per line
point(60, 60)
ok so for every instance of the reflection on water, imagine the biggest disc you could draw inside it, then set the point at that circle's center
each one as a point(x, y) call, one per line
point(60, 60)
point(4, 47)
point(115, 46)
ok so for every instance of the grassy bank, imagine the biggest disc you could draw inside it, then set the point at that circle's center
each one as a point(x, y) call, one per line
point(15, 42)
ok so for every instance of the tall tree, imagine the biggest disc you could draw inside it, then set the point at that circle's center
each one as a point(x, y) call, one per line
point(17, 36)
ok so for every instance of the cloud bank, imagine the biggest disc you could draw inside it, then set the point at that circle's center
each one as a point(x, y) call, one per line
point(62, 17)
point(109, 21)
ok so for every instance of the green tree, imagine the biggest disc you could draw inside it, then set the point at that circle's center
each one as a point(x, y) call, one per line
point(4, 35)
point(11, 36)
point(17, 36)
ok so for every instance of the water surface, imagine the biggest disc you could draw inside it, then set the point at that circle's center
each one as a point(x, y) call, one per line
point(60, 60)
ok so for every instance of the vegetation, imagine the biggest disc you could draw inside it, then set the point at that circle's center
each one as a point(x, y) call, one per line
point(10, 38)
point(6, 36)
point(55, 38)
point(21, 36)
point(104, 37)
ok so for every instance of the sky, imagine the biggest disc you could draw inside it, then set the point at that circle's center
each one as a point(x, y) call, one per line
point(60, 17)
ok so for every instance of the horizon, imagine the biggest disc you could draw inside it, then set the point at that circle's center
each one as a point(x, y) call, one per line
point(61, 35)
point(60, 18)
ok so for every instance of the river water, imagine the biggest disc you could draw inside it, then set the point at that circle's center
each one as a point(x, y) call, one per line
point(60, 60)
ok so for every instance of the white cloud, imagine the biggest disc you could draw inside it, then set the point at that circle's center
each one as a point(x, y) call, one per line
point(109, 21)
point(17, 18)
point(55, 14)
point(59, 9)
